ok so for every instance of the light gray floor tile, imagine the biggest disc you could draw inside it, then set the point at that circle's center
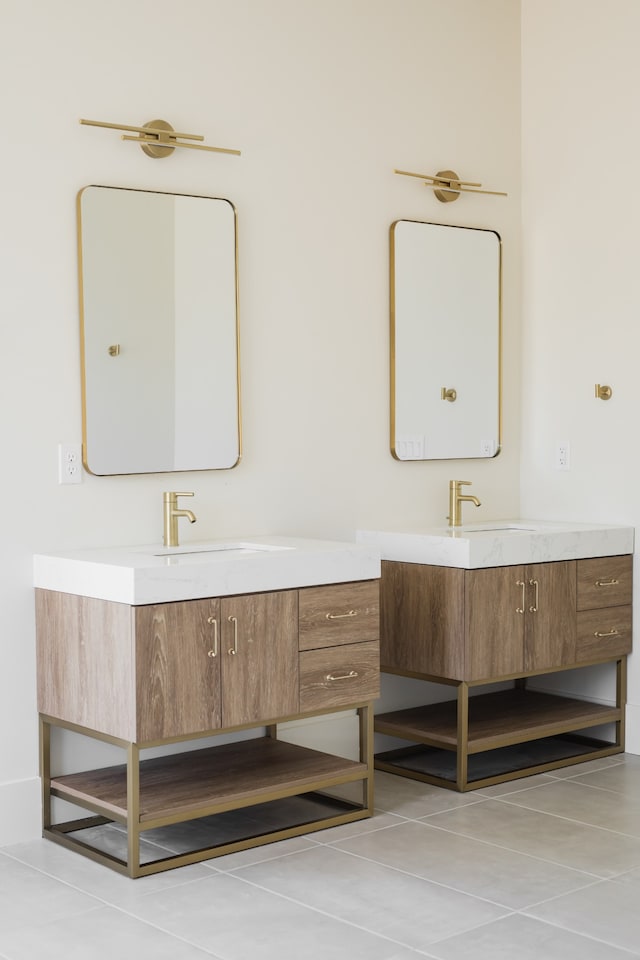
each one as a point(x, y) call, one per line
point(513, 786)
point(586, 804)
point(29, 898)
point(412, 798)
point(377, 822)
point(623, 778)
point(589, 766)
point(99, 881)
point(480, 869)
point(576, 845)
point(412, 911)
point(102, 934)
point(228, 916)
point(525, 939)
point(270, 851)
point(607, 911)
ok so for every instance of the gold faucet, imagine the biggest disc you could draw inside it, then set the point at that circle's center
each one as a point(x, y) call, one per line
point(171, 514)
point(456, 499)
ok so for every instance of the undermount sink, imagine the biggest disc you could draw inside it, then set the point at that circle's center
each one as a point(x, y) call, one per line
point(218, 568)
point(206, 548)
point(500, 543)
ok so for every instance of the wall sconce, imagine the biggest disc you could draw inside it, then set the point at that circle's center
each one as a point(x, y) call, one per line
point(158, 138)
point(447, 185)
point(603, 392)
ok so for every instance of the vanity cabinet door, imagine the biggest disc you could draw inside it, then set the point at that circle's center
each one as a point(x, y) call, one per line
point(177, 668)
point(494, 605)
point(259, 653)
point(550, 615)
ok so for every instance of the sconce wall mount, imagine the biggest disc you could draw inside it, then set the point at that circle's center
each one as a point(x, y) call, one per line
point(447, 185)
point(158, 139)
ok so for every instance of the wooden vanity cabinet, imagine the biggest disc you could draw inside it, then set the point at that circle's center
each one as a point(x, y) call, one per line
point(473, 627)
point(150, 675)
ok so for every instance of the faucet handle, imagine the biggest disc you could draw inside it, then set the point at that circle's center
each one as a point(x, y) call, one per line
point(188, 494)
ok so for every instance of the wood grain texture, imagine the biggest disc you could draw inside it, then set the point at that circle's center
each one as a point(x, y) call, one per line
point(177, 682)
point(603, 621)
point(496, 719)
point(494, 630)
point(85, 662)
point(339, 613)
point(550, 632)
point(260, 682)
point(231, 774)
point(325, 680)
point(422, 619)
point(605, 569)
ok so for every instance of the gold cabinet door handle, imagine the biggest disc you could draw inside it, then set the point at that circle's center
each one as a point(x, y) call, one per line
point(534, 608)
point(607, 583)
point(521, 583)
point(214, 651)
point(234, 649)
point(344, 676)
point(611, 633)
point(341, 616)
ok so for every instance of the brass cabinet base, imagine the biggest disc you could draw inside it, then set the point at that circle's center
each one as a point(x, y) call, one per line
point(157, 814)
point(477, 741)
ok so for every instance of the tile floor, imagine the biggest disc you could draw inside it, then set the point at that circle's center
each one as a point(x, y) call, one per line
point(546, 867)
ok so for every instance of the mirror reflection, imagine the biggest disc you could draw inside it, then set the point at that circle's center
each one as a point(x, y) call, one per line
point(159, 331)
point(445, 341)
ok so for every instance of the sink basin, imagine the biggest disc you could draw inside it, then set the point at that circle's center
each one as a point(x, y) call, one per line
point(219, 568)
point(207, 548)
point(500, 543)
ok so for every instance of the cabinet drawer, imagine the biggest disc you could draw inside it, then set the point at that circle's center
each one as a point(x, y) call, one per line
point(604, 582)
point(340, 613)
point(340, 676)
point(603, 633)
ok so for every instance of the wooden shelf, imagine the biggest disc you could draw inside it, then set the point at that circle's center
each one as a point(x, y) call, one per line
point(186, 785)
point(496, 719)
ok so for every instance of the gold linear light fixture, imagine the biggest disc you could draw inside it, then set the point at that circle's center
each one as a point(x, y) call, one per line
point(158, 138)
point(448, 186)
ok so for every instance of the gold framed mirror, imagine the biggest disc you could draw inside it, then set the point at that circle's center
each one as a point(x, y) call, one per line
point(445, 286)
point(159, 331)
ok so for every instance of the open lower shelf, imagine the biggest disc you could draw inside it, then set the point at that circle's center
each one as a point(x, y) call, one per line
point(496, 719)
point(503, 762)
point(219, 830)
point(187, 785)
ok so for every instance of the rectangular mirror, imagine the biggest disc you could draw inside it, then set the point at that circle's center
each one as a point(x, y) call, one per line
point(445, 341)
point(159, 331)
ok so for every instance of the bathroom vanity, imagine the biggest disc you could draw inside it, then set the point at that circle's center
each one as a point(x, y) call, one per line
point(150, 647)
point(493, 610)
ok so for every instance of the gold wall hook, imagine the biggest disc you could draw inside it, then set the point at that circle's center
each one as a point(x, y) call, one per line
point(447, 185)
point(114, 350)
point(448, 393)
point(157, 138)
point(603, 392)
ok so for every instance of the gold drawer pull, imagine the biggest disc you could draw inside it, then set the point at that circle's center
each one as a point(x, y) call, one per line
point(521, 583)
point(345, 676)
point(534, 608)
point(612, 633)
point(234, 649)
point(341, 616)
point(607, 583)
point(214, 652)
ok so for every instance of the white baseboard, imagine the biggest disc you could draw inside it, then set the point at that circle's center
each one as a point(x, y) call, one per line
point(20, 811)
point(632, 738)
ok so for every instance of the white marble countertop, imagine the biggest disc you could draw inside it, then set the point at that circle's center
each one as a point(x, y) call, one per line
point(217, 568)
point(500, 543)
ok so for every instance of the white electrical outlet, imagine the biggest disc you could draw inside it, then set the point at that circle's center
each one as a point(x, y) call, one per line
point(563, 455)
point(69, 463)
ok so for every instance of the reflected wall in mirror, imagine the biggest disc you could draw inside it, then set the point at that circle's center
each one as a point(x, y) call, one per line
point(159, 331)
point(445, 341)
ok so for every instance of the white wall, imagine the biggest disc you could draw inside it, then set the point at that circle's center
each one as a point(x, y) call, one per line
point(581, 299)
point(324, 98)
